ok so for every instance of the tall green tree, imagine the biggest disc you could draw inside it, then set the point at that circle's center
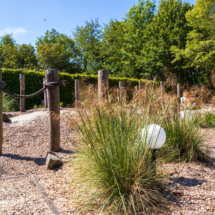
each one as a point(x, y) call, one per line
point(7, 39)
point(113, 41)
point(169, 28)
point(16, 56)
point(123, 41)
point(200, 47)
point(138, 20)
point(57, 51)
point(88, 43)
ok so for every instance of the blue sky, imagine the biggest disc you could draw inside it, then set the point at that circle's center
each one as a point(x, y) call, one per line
point(25, 18)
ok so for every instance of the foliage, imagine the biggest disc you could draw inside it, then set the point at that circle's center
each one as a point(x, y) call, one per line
point(87, 39)
point(9, 104)
point(199, 51)
point(123, 41)
point(113, 164)
point(55, 50)
point(208, 120)
point(169, 27)
point(184, 139)
point(16, 56)
point(7, 39)
point(34, 82)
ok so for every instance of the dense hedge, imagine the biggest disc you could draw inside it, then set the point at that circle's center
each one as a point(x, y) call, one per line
point(34, 82)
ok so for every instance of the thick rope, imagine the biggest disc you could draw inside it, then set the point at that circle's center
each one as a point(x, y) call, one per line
point(46, 85)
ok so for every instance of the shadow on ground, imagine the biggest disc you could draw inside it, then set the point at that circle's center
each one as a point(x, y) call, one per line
point(189, 182)
point(39, 161)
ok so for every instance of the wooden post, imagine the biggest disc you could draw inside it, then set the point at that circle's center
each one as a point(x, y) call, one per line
point(140, 85)
point(54, 110)
point(22, 92)
point(103, 84)
point(179, 90)
point(76, 92)
point(179, 97)
point(121, 90)
point(45, 95)
point(1, 115)
point(162, 87)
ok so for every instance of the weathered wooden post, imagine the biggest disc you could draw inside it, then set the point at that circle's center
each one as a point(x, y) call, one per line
point(140, 85)
point(22, 92)
point(162, 87)
point(102, 84)
point(45, 95)
point(54, 110)
point(179, 97)
point(179, 90)
point(1, 115)
point(77, 92)
point(121, 90)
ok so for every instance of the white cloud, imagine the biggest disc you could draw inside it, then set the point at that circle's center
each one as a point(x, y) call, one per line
point(15, 31)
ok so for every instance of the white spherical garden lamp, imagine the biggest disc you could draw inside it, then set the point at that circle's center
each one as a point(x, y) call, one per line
point(155, 136)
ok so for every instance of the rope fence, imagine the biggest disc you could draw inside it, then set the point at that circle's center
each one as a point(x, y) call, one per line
point(51, 87)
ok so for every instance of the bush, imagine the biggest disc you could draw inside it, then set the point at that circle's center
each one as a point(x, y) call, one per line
point(34, 82)
point(113, 164)
point(208, 120)
point(184, 139)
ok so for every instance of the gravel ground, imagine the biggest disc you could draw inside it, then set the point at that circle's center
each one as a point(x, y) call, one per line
point(20, 196)
point(24, 152)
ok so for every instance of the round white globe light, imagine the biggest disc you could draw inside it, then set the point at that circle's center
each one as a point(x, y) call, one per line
point(183, 99)
point(155, 136)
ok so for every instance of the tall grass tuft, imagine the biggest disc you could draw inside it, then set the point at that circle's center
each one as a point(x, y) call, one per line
point(184, 138)
point(113, 164)
point(9, 104)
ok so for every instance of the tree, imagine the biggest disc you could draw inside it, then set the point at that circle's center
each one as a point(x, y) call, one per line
point(27, 56)
point(112, 45)
point(16, 56)
point(55, 50)
point(169, 28)
point(138, 20)
point(88, 44)
point(200, 47)
point(7, 39)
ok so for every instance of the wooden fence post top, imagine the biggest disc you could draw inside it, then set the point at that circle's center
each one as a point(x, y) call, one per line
point(103, 84)
point(21, 76)
point(103, 74)
point(52, 75)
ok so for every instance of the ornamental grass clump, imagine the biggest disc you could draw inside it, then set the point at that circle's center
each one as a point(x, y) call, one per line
point(9, 104)
point(112, 166)
point(184, 138)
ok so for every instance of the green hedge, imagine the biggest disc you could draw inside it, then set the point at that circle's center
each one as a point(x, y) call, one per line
point(34, 82)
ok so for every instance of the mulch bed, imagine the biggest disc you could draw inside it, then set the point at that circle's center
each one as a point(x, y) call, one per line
point(24, 151)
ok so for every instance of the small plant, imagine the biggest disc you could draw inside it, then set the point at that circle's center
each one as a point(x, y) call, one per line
point(208, 120)
point(113, 164)
point(38, 106)
point(184, 139)
point(9, 104)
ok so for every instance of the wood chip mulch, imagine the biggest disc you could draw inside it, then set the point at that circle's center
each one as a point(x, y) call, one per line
point(24, 151)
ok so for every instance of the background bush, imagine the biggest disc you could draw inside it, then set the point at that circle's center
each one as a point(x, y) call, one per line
point(208, 121)
point(34, 82)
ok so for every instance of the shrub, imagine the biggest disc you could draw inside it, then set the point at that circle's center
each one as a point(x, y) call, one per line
point(184, 139)
point(208, 120)
point(34, 82)
point(113, 164)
